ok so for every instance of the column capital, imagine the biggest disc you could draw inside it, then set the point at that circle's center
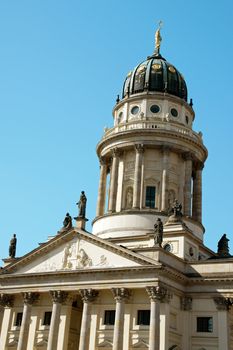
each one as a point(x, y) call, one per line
point(102, 161)
point(186, 303)
point(115, 152)
point(6, 300)
point(120, 294)
point(30, 298)
point(199, 166)
point(139, 147)
point(187, 156)
point(58, 296)
point(165, 149)
point(222, 304)
point(158, 293)
point(88, 295)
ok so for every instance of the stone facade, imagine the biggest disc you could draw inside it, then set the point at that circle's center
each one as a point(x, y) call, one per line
point(114, 288)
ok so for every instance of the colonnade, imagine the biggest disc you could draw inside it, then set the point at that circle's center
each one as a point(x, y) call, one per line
point(190, 192)
point(156, 294)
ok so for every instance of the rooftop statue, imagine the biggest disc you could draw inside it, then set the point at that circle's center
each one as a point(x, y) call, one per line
point(223, 247)
point(158, 233)
point(12, 246)
point(82, 205)
point(67, 222)
point(158, 38)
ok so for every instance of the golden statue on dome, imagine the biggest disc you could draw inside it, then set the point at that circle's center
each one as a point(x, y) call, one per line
point(158, 38)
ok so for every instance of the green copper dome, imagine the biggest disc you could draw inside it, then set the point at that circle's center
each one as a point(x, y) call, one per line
point(155, 75)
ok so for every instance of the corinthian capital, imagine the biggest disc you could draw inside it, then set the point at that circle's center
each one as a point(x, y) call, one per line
point(139, 148)
point(58, 296)
point(6, 300)
point(88, 295)
point(30, 297)
point(120, 294)
point(222, 303)
point(158, 293)
point(186, 303)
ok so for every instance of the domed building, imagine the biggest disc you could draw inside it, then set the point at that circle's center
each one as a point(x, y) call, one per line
point(143, 279)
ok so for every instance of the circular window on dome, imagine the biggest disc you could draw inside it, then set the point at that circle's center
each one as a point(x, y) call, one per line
point(168, 247)
point(156, 66)
point(171, 69)
point(174, 112)
point(135, 110)
point(155, 109)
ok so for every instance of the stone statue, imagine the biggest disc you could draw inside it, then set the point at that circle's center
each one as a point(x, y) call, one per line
point(158, 233)
point(223, 248)
point(176, 209)
point(158, 38)
point(82, 205)
point(12, 247)
point(67, 222)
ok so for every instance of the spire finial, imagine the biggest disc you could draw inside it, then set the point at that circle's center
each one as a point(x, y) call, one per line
point(158, 38)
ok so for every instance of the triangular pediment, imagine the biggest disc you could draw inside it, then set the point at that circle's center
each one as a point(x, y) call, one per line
point(75, 250)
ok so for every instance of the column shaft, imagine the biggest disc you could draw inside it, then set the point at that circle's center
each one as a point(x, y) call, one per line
point(23, 334)
point(154, 325)
point(197, 195)
point(102, 190)
point(29, 299)
point(54, 326)
point(6, 302)
point(84, 326)
point(164, 199)
point(137, 176)
point(118, 327)
point(187, 186)
point(113, 182)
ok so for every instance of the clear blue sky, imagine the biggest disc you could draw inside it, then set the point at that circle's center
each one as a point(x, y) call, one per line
point(62, 63)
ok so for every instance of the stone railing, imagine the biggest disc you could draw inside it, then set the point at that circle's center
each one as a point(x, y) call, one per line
point(141, 124)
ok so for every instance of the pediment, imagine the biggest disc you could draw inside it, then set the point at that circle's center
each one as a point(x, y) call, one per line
point(76, 250)
point(141, 343)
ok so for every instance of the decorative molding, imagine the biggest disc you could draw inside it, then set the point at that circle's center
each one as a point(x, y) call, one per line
point(88, 295)
point(58, 296)
point(120, 294)
point(30, 298)
point(159, 294)
point(186, 303)
point(6, 300)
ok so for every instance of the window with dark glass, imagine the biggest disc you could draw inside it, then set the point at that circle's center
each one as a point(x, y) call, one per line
point(205, 324)
point(143, 317)
point(150, 196)
point(47, 318)
point(109, 317)
point(18, 320)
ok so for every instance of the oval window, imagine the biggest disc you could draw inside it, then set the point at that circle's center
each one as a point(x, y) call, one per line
point(155, 109)
point(135, 110)
point(168, 247)
point(174, 112)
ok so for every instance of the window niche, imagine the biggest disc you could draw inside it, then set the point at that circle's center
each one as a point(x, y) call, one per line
point(47, 318)
point(150, 200)
point(109, 317)
point(143, 317)
point(18, 319)
point(205, 324)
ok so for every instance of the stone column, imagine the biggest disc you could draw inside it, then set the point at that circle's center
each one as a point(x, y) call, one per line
point(88, 296)
point(156, 294)
point(186, 307)
point(164, 199)
point(102, 188)
point(113, 181)
point(29, 299)
point(58, 298)
point(120, 295)
point(6, 301)
point(187, 183)
point(137, 175)
point(222, 305)
point(197, 193)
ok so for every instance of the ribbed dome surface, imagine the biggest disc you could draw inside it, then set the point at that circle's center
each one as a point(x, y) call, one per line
point(155, 74)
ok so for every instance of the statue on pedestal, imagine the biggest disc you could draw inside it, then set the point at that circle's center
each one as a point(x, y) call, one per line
point(158, 233)
point(82, 205)
point(12, 246)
